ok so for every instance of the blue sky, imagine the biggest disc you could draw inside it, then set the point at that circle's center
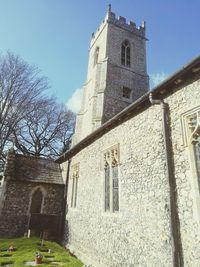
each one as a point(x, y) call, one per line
point(55, 35)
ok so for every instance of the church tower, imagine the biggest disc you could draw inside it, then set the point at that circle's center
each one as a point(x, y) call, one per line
point(117, 73)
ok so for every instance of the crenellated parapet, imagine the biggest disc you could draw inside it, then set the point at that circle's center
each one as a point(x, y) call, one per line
point(117, 73)
point(122, 23)
point(129, 26)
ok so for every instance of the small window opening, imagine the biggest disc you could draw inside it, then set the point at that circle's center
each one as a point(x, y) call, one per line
point(127, 92)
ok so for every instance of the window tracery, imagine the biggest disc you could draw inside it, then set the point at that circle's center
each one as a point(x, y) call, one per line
point(126, 54)
point(111, 174)
point(75, 177)
point(194, 126)
point(107, 186)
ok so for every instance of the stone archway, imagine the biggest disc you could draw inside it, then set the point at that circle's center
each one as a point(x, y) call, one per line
point(36, 201)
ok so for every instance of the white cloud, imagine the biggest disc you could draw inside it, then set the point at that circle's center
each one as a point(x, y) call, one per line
point(157, 78)
point(74, 103)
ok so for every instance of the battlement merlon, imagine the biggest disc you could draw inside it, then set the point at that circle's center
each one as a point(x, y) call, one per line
point(122, 23)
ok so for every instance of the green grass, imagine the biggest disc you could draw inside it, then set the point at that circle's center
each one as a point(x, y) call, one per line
point(26, 249)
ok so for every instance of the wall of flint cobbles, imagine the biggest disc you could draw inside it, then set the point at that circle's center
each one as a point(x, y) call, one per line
point(139, 234)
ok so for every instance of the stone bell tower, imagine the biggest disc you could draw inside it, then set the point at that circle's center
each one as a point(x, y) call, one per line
point(117, 73)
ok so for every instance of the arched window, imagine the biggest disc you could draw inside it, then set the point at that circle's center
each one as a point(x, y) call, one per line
point(194, 125)
point(115, 185)
point(36, 201)
point(111, 176)
point(126, 54)
point(107, 187)
point(75, 177)
point(96, 55)
point(197, 157)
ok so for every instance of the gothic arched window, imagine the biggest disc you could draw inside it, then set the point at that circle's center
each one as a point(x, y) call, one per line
point(197, 157)
point(111, 176)
point(107, 187)
point(96, 55)
point(115, 185)
point(126, 54)
point(36, 202)
point(194, 126)
point(75, 177)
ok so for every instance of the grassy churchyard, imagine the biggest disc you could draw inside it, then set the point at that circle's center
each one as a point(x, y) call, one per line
point(21, 252)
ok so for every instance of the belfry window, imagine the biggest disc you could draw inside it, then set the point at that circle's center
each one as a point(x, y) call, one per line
point(127, 92)
point(75, 176)
point(126, 54)
point(111, 175)
point(96, 55)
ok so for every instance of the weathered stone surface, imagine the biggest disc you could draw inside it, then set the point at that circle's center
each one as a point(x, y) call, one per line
point(22, 178)
point(188, 191)
point(103, 90)
point(142, 232)
point(139, 234)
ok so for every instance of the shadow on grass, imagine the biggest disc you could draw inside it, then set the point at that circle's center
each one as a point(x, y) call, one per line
point(7, 263)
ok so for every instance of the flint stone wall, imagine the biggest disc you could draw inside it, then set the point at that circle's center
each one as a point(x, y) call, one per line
point(103, 90)
point(139, 234)
point(188, 191)
point(124, 238)
point(16, 201)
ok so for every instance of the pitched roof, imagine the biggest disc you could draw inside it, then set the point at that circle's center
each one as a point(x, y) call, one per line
point(34, 169)
point(187, 73)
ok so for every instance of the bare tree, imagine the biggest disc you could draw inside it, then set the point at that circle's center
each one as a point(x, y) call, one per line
point(46, 130)
point(20, 85)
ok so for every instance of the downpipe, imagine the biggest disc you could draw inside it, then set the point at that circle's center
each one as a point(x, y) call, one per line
point(65, 207)
point(174, 218)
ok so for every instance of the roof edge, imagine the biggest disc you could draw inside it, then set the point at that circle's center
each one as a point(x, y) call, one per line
point(174, 81)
